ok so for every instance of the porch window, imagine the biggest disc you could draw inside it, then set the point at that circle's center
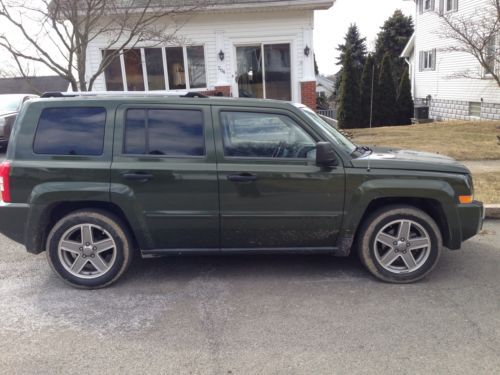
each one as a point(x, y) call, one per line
point(150, 69)
point(133, 69)
point(264, 71)
point(176, 72)
point(196, 67)
point(154, 68)
point(113, 72)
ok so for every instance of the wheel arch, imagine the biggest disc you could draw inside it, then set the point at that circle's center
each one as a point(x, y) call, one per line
point(38, 229)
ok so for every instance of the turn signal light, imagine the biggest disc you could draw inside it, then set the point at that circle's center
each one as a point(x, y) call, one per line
point(464, 199)
point(4, 181)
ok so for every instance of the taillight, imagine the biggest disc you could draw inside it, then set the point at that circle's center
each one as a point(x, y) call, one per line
point(4, 181)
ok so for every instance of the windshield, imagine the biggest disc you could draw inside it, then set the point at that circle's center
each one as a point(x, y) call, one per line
point(10, 103)
point(332, 133)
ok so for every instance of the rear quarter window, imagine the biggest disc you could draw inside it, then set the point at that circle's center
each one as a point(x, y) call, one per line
point(71, 131)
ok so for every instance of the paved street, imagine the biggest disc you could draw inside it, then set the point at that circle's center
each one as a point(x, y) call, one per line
point(254, 315)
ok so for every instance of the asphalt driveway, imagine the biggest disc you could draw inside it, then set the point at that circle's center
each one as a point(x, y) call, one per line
point(254, 315)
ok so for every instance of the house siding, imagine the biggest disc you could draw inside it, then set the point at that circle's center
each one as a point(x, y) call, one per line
point(451, 96)
point(214, 30)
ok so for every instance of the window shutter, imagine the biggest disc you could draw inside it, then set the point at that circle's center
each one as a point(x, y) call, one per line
point(441, 7)
point(421, 61)
point(420, 6)
point(434, 58)
point(455, 5)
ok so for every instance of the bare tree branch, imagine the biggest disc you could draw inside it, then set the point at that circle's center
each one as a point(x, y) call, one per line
point(477, 35)
point(58, 33)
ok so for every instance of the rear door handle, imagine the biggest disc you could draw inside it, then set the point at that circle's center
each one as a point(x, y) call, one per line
point(242, 177)
point(138, 176)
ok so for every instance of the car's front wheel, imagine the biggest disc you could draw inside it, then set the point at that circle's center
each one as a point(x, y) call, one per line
point(399, 244)
point(89, 248)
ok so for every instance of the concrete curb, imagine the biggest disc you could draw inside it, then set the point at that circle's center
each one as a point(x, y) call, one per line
point(492, 211)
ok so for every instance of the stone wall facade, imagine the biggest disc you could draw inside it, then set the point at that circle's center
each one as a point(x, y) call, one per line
point(440, 110)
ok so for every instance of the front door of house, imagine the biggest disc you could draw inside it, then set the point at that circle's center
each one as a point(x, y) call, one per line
point(264, 71)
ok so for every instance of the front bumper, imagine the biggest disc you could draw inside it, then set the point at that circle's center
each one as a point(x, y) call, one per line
point(471, 219)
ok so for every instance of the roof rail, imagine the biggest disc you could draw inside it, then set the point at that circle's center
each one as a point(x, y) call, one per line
point(182, 94)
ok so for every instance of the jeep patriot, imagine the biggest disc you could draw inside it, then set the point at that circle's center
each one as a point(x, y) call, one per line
point(95, 179)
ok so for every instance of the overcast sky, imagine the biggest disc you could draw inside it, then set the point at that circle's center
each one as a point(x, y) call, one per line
point(331, 25)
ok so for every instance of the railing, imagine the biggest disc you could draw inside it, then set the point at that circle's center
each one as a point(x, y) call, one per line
point(332, 113)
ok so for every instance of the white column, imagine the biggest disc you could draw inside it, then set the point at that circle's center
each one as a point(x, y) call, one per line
point(308, 61)
point(221, 66)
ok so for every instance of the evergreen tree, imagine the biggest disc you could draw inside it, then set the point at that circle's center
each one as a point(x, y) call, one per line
point(405, 100)
point(367, 80)
point(392, 39)
point(316, 68)
point(357, 47)
point(349, 103)
point(386, 110)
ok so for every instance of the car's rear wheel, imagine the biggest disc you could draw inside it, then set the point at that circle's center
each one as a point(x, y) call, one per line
point(89, 248)
point(399, 244)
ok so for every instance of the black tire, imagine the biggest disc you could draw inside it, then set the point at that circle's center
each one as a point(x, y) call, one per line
point(379, 220)
point(113, 226)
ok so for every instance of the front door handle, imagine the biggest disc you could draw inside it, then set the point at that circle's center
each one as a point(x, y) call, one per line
point(141, 177)
point(242, 177)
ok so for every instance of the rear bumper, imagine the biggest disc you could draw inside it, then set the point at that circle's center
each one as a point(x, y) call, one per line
point(471, 219)
point(13, 219)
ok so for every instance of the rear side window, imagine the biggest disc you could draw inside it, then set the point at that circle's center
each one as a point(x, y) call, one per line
point(70, 131)
point(168, 132)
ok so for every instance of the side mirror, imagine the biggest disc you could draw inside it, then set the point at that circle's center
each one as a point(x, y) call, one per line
point(325, 155)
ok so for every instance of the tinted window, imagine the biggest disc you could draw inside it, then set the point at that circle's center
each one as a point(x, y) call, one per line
point(265, 135)
point(167, 132)
point(70, 131)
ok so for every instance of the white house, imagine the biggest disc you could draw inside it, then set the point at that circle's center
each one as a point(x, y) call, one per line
point(240, 48)
point(325, 87)
point(434, 71)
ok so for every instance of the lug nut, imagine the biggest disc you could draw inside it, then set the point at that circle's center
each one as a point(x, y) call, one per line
point(408, 244)
point(87, 244)
point(92, 256)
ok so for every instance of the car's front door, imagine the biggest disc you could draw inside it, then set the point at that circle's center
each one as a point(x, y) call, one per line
point(272, 193)
point(164, 174)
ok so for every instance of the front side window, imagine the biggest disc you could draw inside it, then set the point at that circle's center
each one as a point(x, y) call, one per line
point(167, 132)
point(265, 135)
point(428, 4)
point(70, 131)
point(451, 5)
point(196, 67)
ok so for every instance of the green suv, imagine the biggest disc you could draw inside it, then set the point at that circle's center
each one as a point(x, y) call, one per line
point(95, 179)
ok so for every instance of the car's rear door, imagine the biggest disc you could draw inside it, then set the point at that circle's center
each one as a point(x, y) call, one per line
point(164, 175)
point(272, 193)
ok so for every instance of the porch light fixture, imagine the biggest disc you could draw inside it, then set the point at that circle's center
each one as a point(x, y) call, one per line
point(307, 51)
point(221, 55)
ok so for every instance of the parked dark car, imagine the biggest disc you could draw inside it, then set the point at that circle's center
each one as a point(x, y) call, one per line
point(94, 180)
point(9, 108)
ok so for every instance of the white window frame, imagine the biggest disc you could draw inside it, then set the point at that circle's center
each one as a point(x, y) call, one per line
point(428, 60)
point(480, 110)
point(165, 68)
point(454, 6)
point(262, 45)
point(496, 66)
point(430, 7)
